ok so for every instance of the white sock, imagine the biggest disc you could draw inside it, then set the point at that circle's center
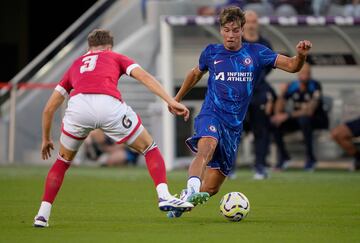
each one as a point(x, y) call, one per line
point(45, 209)
point(163, 191)
point(193, 184)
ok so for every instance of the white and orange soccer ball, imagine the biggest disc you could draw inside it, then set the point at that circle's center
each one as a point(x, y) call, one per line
point(234, 206)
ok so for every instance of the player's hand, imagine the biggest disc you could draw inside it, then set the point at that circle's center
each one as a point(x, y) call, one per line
point(303, 47)
point(179, 109)
point(46, 147)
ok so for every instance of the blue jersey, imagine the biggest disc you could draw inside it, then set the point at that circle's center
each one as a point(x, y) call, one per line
point(232, 77)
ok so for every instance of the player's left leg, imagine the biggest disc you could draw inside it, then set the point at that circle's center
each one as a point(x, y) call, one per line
point(145, 144)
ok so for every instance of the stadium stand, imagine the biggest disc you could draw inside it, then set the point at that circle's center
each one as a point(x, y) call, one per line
point(336, 60)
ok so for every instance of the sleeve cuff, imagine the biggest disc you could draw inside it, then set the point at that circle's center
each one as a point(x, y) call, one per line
point(131, 67)
point(274, 65)
point(61, 90)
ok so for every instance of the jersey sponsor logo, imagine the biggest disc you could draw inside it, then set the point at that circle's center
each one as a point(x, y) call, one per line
point(126, 122)
point(220, 76)
point(216, 62)
point(212, 128)
point(235, 76)
point(247, 61)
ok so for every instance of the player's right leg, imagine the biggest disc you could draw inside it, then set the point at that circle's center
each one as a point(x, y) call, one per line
point(77, 123)
point(53, 184)
point(206, 147)
point(145, 144)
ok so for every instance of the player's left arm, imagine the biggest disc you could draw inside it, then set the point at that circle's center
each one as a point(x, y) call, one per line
point(294, 64)
point(53, 104)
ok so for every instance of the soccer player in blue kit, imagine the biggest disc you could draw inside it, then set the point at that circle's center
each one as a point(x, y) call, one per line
point(234, 68)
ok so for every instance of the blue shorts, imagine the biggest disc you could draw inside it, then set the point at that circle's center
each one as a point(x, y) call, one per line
point(224, 157)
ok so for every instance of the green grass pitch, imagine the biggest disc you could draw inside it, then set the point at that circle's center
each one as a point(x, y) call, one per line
point(119, 205)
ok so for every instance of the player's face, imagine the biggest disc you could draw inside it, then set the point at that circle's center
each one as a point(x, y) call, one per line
point(232, 33)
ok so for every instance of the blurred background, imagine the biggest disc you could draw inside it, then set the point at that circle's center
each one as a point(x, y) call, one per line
point(40, 39)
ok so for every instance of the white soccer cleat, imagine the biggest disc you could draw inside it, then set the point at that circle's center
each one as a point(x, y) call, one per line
point(40, 222)
point(174, 203)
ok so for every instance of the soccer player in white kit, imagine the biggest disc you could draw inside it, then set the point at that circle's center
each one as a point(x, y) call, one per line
point(95, 102)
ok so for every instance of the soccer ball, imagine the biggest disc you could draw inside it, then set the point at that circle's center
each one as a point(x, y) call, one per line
point(234, 206)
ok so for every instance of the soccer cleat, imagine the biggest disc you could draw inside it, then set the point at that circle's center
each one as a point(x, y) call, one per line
point(198, 198)
point(40, 222)
point(194, 198)
point(174, 203)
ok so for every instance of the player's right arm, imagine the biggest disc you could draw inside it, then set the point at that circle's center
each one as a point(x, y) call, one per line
point(51, 107)
point(61, 91)
point(192, 78)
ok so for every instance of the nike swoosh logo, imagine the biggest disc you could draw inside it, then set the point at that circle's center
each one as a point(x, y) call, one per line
point(216, 62)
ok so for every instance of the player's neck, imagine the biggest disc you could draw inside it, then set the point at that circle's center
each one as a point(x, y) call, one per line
point(233, 48)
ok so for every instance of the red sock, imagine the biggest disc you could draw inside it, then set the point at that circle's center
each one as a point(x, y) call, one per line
point(54, 179)
point(156, 166)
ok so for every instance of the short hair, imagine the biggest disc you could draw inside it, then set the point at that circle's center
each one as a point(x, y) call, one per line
point(232, 14)
point(100, 37)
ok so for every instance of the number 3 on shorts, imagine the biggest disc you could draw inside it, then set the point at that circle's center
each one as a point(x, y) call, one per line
point(89, 63)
